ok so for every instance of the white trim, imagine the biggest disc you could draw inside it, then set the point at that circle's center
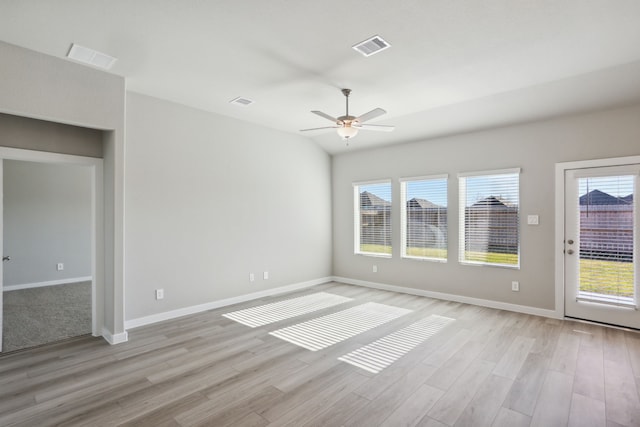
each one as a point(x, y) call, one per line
point(560, 225)
point(48, 283)
point(97, 220)
point(167, 315)
point(424, 258)
point(374, 254)
point(613, 161)
point(373, 182)
point(451, 297)
point(623, 170)
point(594, 298)
point(491, 264)
point(490, 173)
point(424, 178)
point(559, 215)
point(356, 219)
point(114, 339)
point(559, 237)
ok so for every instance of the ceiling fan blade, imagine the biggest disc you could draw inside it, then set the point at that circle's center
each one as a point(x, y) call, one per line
point(324, 127)
point(326, 116)
point(379, 128)
point(377, 112)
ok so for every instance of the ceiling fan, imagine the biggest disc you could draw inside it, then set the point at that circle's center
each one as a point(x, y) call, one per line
point(348, 126)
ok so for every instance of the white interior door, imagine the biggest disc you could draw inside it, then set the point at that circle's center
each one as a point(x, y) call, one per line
point(601, 235)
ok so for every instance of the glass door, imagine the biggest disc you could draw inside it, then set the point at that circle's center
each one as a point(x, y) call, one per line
point(601, 221)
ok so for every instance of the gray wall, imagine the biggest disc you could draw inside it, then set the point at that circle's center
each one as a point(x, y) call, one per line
point(210, 199)
point(47, 220)
point(41, 135)
point(44, 87)
point(534, 147)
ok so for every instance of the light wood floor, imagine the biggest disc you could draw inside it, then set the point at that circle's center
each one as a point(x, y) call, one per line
point(487, 368)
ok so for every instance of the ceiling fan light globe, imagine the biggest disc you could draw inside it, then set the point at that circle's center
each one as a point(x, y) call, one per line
point(347, 132)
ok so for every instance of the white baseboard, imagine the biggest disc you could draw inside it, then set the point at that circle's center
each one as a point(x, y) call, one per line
point(456, 298)
point(167, 315)
point(114, 338)
point(48, 283)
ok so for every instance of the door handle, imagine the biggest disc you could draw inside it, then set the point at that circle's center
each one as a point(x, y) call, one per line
point(570, 251)
point(6, 258)
point(570, 242)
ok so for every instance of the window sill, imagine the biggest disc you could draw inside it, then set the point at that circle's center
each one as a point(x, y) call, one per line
point(486, 264)
point(374, 255)
point(418, 258)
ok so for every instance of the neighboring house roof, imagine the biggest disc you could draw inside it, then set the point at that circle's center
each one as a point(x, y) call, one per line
point(371, 200)
point(494, 202)
point(423, 203)
point(628, 199)
point(597, 197)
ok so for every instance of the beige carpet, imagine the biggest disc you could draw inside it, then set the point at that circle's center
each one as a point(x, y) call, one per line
point(37, 316)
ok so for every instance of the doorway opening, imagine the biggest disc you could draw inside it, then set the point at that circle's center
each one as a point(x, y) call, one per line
point(51, 236)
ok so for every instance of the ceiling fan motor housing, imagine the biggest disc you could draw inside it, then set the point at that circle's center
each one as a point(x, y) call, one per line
point(345, 119)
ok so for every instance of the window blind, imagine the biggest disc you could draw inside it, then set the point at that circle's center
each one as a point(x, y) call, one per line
point(606, 239)
point(489, 218)
point(424, 217)
point(372, 219)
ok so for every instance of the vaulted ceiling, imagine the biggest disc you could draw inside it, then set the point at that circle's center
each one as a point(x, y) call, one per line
point(453, 66)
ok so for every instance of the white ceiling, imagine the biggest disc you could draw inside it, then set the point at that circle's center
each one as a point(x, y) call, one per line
point(454, 66)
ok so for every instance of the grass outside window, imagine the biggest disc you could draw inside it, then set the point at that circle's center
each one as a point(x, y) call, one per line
point(436, 253)
point(606, 277)
point(491, 258)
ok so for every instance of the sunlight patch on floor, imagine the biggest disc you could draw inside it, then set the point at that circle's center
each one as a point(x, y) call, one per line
point(276, 311)
point(328, 330)
point(380, 354)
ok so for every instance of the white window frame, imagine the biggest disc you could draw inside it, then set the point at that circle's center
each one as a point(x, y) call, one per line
point(462, 196)
point(403, 215)
point(356, 217)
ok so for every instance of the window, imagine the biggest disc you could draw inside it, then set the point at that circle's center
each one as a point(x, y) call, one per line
point(372, 219)
point(489, 218)
point(423, 204)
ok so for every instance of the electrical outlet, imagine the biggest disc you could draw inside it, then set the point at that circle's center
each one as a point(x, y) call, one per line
point(252, 277)
point(159, 294)
point(515, 286)
point(59, 266)
point(265, 275)
point(375, 268)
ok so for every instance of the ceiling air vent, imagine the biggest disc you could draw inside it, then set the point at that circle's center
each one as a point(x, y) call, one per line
point(243, 102)
point(90, 57)
point(372, 45)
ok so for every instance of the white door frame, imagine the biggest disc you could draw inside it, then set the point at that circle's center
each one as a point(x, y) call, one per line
point(97, 221)
point(560, 215)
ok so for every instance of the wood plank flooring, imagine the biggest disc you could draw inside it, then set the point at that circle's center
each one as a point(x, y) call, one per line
point(486, 368)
